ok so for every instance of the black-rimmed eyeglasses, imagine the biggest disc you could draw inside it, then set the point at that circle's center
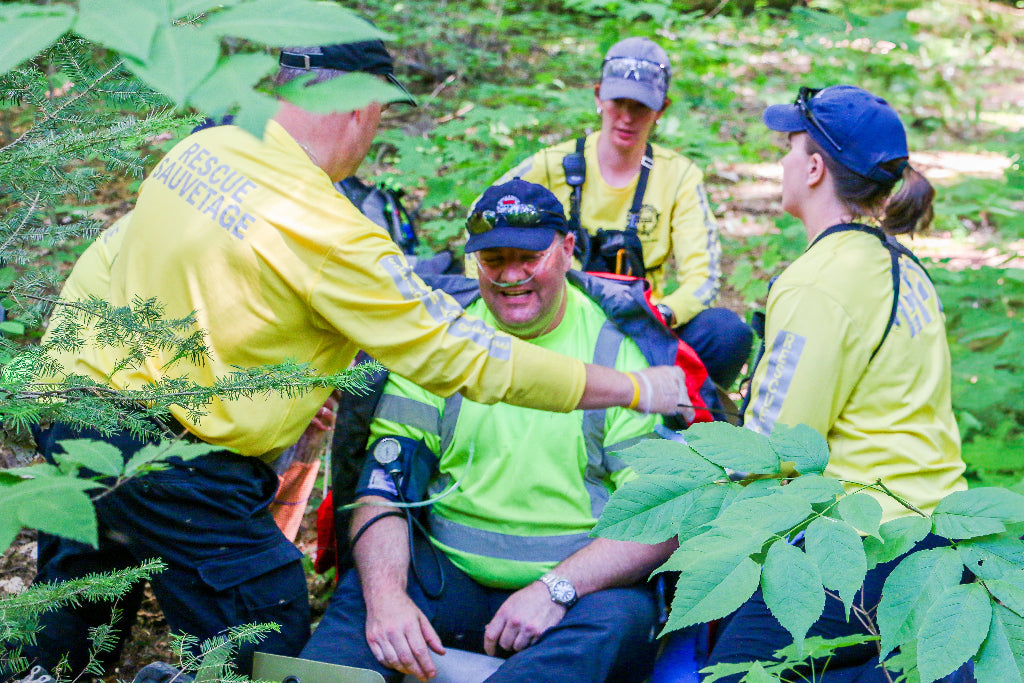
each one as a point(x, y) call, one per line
point(803, 103)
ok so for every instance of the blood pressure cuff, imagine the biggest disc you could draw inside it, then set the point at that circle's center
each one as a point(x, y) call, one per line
point(416, 465)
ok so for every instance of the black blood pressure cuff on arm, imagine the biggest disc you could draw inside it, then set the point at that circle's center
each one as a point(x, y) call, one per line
point(413, 466)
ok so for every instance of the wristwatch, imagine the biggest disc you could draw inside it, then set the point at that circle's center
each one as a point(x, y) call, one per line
point(668, 315)
point(561, 589)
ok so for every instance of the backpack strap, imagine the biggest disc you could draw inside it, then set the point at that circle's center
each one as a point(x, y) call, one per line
point(576, 199)
point(895, 250)
point(646, 164)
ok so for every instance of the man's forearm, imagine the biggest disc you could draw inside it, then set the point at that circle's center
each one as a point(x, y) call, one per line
point(381, 554)
point(605, 563)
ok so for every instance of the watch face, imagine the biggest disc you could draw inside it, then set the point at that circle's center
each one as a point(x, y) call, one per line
point(563, 592)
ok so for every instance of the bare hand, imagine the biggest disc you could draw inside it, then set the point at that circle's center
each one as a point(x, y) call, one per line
point(401, 637)
point(663, 390)
point(522, 619)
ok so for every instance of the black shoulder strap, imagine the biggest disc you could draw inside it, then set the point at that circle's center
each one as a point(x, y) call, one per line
point(646, 164)
point(576, 198)
point(895, 251)
point(633, 220)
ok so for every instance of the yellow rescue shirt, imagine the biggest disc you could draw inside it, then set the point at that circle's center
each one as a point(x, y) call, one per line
point(887, 418)
point(277, 265)
point(677, 230)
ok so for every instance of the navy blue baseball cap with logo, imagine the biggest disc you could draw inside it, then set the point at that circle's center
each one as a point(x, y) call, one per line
point(515, 214)
point(857, 129)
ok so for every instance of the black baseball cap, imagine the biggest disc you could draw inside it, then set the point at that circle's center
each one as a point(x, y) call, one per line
point(369, 56)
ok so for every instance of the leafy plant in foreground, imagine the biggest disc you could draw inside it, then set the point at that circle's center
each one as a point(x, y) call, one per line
point(734, 538)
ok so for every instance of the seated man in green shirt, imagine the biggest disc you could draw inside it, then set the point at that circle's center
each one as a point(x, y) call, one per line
point(510, 568)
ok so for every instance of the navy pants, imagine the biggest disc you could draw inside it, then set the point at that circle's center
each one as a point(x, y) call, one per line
point(722, 340)
point(606, 636)
point(753, 634)
point(228, 564)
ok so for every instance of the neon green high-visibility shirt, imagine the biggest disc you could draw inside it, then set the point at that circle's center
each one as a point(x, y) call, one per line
point(537, 481)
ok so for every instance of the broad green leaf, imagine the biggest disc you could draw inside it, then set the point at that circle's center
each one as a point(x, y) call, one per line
point(817, 647)
point(649, 509)
point(757, 674)
point(56, 505)
point(180, 59)
point(98, 456)
point(26, 30)
point(862, 512)
point(699, 507)
point(838, 552)
point(736, 448)
point(791, 585)
point(232, 85)
point(39, 469)
point(801, 445)
point(897, 536)
point(1001, 657)
point(347, 92)
point(766, 515)
point(911, 589)
point(131, 33)
point(993, 557)
point(182, 8)
point(758, 488)
point(151, 457)
point(977, 512)
point(292, 22)
point(661, 456)
point(710, 587)
point(1009, 593)
point(952, 631)
point(815, 488)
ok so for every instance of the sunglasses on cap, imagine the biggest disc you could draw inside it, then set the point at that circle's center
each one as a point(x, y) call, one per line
point(631, 68)
point(802, 103)
point(521, 216)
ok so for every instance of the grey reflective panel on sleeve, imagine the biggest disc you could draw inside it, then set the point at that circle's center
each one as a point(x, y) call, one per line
point(606, 352)
point(407, 411)
point(708, 290)
point(505, 546)
point(450, 419)
point(786, 351)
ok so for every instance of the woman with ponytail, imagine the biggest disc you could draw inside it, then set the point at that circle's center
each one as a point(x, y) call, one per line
point(855, 342)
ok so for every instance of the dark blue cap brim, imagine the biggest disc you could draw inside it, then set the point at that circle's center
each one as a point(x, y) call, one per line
point(785, 118)
point(531, 239)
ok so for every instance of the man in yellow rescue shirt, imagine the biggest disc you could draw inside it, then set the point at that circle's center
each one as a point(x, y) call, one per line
point(253, 237)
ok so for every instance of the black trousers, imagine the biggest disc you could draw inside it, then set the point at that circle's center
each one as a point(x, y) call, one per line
point(228, 564)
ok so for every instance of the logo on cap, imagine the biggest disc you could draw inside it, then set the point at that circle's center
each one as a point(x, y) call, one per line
point(507, 204)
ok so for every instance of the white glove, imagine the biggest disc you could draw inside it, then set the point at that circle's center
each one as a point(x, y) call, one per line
point(663, 390)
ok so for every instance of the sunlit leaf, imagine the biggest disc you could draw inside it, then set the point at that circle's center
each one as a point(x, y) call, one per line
point(670, 458)
point(953, 629)
point(791, 585)
point(977, 512)
point(911, 589)
point(862, 511)
point(837, 550)
point(230, 88)
point(895, 537)
point(292, 22)
point(345, 93)
point(130, 34)
point(650, 509)
point(736, 448)
point(98, 456)
point(56, 505)
point(26, 30)
point(815, 488)
point(801, 445)
point(180, 59)
point(1001, 657)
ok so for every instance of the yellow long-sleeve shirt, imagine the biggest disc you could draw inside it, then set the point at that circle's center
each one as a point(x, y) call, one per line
point(277, 265)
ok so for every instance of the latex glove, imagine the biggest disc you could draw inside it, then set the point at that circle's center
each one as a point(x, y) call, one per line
point(663, 390)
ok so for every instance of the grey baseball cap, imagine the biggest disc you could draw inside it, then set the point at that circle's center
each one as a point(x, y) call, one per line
point(636, 69)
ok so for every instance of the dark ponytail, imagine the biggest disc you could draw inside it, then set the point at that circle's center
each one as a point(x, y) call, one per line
point(910, 210)
point(906, 212)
